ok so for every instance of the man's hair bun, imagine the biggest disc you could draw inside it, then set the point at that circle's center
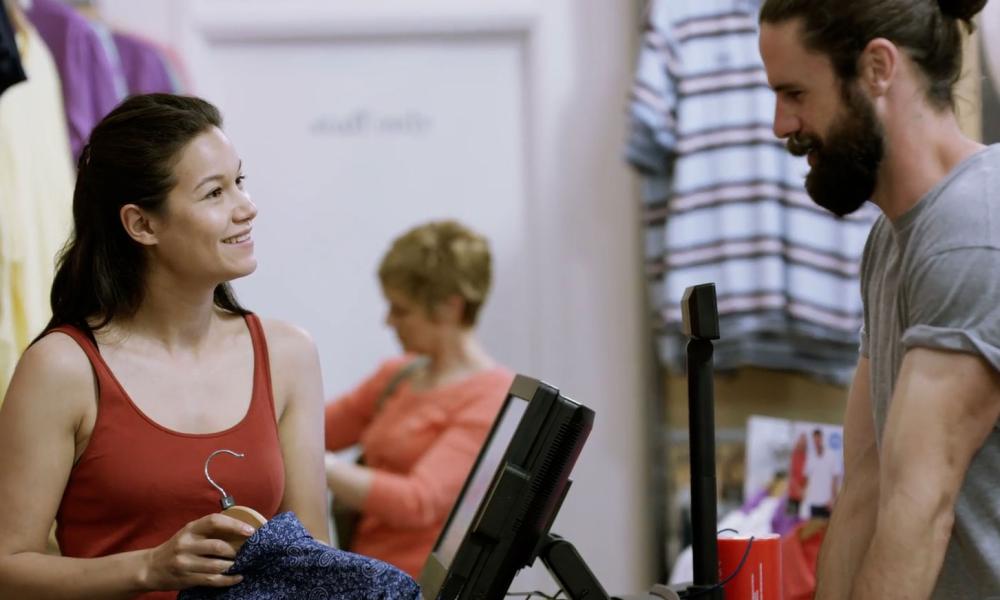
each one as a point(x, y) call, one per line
point(963, 10)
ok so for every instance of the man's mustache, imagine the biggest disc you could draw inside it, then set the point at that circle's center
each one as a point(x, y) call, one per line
point(801, 144)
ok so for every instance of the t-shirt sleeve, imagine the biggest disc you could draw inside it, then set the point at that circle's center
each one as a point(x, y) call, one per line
point(953, 303)
point(864, 347)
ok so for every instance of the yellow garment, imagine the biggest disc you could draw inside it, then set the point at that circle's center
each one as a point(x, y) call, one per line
point(36, 199)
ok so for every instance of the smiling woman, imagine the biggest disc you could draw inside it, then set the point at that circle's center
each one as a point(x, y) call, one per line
point(124, 170)
point(148, 366)
point(205, 223)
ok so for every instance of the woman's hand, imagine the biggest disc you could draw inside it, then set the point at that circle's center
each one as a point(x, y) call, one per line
point(196, 555)
point(348, 481)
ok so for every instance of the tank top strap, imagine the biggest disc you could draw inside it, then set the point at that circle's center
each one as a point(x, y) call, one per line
point(89, 347)
point(263, 399)
point(262, 366)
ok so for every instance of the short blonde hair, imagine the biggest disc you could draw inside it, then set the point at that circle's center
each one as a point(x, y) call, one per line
point(436, 260)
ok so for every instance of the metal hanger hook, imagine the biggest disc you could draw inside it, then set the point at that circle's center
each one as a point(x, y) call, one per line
point(209, 477)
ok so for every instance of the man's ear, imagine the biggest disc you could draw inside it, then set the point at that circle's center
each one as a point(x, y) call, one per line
point(138, 225)
point(877, 66)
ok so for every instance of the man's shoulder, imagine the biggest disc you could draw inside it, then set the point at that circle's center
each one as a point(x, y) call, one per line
point(963, 212)
point(967, 198)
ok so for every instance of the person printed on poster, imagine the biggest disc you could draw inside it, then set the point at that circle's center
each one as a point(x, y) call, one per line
point(823, 474)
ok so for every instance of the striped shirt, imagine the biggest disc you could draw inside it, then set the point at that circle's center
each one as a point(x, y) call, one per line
point(724, 201)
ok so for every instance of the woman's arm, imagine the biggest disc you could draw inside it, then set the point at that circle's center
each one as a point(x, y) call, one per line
point(348, 481)
point(346, 419)
point(298, 394)
point(426, 493)
point(348, 416)
point(50, 401)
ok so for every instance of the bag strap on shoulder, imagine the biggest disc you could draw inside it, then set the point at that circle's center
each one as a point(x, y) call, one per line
point(397, 378)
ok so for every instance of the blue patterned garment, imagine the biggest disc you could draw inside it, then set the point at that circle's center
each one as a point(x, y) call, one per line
point(281, 561)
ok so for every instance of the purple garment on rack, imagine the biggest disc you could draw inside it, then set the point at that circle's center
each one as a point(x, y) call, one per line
point(86, 72)
point(145, 68)
point(783, 522)
point(754, 501)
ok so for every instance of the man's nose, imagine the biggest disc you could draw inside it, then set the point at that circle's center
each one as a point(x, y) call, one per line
point(786, 122)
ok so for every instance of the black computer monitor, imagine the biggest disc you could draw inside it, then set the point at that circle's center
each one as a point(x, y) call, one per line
point(501, 520)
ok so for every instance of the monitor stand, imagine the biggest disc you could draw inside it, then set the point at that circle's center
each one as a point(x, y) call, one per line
point(569, 569)
point(701, 324)
point(578, 582)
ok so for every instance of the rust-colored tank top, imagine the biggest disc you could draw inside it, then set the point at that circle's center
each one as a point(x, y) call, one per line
point(137, 482)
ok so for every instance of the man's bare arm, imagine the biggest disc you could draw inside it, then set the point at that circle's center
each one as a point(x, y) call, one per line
point(853, 518)
point(944, 406)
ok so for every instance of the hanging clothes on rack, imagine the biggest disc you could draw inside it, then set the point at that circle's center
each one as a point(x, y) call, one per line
point(105, 35)
point(36, 191)
point(145, 67)
point(725, 202)
point(90, 84)
point(138, 66)
point(11, 70)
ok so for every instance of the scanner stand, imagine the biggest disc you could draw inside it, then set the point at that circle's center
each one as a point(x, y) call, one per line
point(569, 569)
point(701, 324)
point(578, 582)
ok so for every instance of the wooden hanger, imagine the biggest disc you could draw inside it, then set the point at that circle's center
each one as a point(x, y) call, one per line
point(231, 509)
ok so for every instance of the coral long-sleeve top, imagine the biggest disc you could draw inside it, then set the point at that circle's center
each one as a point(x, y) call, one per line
point(421, 445)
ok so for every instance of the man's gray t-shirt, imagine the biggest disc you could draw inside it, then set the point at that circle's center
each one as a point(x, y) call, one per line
point(932, 280)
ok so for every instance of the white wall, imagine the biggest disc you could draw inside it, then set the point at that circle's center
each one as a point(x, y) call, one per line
point(389, 134)
point(517, 114)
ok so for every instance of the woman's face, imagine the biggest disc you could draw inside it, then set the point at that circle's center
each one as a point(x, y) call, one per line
point(205, 229)
point(417, 330)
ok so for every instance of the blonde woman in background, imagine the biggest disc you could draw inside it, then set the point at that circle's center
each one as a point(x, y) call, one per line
point(420, 418)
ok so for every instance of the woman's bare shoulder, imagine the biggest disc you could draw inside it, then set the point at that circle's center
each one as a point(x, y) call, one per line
point(53, 373)
point(287, 341)
point(294, 362)
point(56, 355)
point(293, 357)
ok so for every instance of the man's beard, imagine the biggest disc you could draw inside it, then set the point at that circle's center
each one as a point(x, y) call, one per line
point(847, 162)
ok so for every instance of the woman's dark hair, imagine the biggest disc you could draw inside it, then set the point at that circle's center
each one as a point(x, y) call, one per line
point(929, 31)
point(130, 160)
